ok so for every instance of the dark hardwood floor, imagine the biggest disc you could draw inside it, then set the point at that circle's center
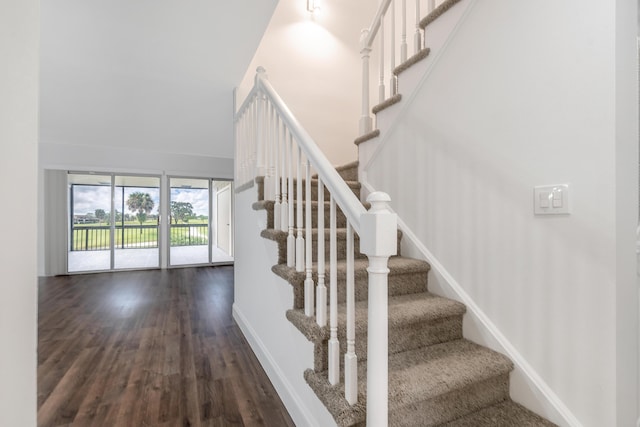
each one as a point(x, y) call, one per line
point(148, 348)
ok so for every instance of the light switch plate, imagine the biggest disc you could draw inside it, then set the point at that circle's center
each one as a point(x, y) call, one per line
point(551, 199)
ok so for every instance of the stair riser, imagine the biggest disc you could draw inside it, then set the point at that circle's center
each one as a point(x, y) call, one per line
point(349, 173)
point(452, 405)
point(314, 191)
point(399, 284)
point(402, 337)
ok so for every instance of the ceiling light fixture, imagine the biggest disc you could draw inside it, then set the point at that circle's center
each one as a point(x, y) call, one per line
point(313, 6)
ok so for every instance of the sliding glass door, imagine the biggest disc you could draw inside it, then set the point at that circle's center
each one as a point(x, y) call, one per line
point(196, 227)
point(90, 234)
point(113, 222)
point(189, 214)
point(137, 198)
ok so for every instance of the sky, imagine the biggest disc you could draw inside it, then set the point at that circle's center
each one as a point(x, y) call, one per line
point(88, 198)
point(199, 198)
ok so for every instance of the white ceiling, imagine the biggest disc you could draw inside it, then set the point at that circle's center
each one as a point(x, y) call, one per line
point(146, 74)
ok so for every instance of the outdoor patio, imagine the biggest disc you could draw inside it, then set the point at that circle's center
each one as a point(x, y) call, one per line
point(80, 261)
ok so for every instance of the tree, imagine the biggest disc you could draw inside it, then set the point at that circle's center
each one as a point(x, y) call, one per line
point(181, 211)
point(100, 214)
point(141, 204)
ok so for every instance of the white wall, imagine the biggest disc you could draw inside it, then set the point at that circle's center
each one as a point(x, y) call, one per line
point(260, 303)
point(314, 64)
point(626, 167)
point(149, 74)
point(533, 93)
point(18, 171)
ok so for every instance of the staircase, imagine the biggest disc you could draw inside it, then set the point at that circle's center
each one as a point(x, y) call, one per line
point(436, 377)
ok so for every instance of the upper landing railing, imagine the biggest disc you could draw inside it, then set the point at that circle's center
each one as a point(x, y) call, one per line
point(389, 25)
point(270, 142)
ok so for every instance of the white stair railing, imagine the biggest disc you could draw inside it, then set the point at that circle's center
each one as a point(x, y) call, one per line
point(270, 142)
point(385, 23)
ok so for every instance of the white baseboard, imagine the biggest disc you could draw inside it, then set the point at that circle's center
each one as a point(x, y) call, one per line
point(294, 404)
point(563, 415)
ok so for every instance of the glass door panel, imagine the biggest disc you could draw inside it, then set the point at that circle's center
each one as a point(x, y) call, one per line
point(89, 247)
point(136, 223)
point(189, 210)
point(223, 248)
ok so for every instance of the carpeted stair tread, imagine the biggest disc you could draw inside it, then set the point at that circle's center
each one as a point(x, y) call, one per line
point(503, 414)
point(406, 276)
point(269, 207)
point(421, 375)
point(348, 171)
point(354, 185)
point(429, 371)
point(403, 309)
point(314, 180)
point(367, 136)
point(412, 61)
point(280, 237)
point(387, 103)
point(437, 12)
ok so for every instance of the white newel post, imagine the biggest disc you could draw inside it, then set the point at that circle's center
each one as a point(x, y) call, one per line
point(378, 240)
point(365, 52)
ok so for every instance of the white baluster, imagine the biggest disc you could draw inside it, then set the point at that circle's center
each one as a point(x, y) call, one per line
point(255, 138)
point(392, 50)
point(268, 177)
point(350, 358)
point(253, 141)
point(378, 240)
point(238, 153)
point(291, 240)
point(284, 211)
point(276, 171)
point(365, 52)
point(308, 281)
point(260, 126)
point(260, 139)
point(321, 289)
point(299, 238)
point(334, 345)
point(417, 38)
point(403, 37)
point(241, 146)
point(381, 89)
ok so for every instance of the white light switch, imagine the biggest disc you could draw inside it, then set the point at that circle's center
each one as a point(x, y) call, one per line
point(551, 199)
point(544, 197)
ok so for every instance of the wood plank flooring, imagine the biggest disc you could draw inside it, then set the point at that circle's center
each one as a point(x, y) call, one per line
point(148, 348)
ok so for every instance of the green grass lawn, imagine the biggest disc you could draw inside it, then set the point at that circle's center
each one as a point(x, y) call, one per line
point(97, 236)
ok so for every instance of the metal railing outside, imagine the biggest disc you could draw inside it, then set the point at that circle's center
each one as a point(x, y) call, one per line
point(98, 237)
